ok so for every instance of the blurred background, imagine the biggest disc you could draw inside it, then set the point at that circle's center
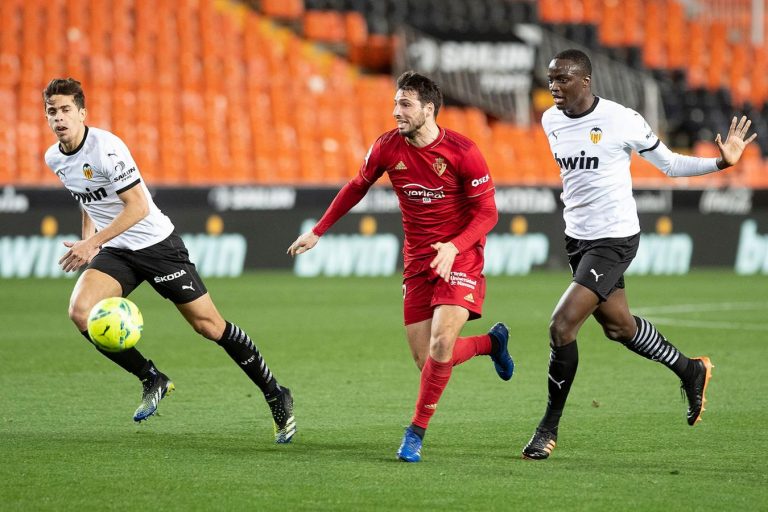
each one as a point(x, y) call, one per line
point(245, 117)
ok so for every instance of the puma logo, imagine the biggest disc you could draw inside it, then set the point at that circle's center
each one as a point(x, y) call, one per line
point(558, 384)
point(597, 276)
point(187, 287)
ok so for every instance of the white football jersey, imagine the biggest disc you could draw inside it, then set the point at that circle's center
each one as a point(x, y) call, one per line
point(95, 173)
point(593, 151)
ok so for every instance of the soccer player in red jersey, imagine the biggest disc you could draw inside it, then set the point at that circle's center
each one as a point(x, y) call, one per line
point(446, 197)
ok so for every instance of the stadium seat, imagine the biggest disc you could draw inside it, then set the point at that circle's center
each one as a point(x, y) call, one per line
point(283, 9)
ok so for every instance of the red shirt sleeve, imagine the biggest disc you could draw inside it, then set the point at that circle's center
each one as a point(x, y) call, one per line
point(351, 193)
point(484, 217)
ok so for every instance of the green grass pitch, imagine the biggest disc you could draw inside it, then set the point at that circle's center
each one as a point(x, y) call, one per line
point(67, 440)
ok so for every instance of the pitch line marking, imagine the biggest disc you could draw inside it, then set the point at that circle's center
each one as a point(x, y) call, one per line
point(650, 312)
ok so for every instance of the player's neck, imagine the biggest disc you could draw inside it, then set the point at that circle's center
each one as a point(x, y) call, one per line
point(74, 143)
point(425, 136)
point(583, 106)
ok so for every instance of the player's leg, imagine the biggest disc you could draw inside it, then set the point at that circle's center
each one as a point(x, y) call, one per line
point(465, 348)
point(109, 275)
point(446, 325)
point(641, 337)
point(574, 307)
point(417, 335)
point(91, 287)
point(593, 279)
point(203, 316)
point(467, 289)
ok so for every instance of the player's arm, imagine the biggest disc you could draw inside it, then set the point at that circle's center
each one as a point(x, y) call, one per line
point(349, 195)
point(676, 165)
point(80, 253)
point(484, 216)
point(88, 227)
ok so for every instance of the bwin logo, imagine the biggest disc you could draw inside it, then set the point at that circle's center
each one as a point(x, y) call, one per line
point(170, 277)
point(89, 195)
point(578, 162)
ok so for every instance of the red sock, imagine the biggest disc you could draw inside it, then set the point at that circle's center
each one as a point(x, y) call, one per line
point(467, 348)
point(434, 378)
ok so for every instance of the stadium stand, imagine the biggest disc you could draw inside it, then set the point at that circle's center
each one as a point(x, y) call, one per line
point(294, 91)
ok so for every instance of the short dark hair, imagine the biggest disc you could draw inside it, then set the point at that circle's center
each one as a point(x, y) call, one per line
point(579, 58)
point(427, 90)
point(65, 87)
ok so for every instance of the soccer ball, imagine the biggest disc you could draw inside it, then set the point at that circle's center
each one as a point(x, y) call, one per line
point(115, 324)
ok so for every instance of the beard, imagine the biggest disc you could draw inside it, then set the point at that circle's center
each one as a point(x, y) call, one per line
point(416, 125)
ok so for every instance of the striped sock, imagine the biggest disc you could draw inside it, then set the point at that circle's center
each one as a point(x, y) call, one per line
point(650, 344)
point(241, 349)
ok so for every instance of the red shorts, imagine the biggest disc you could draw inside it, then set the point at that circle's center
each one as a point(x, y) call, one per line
point(423, 289)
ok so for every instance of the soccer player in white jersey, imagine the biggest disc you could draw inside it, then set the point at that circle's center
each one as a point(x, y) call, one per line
point(592, 140)
point(127, 240)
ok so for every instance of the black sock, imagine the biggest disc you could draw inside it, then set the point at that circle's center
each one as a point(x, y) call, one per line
point(563, 362)
point(242, 350)
point(494, 344)
point(419, 431)
point(650, 344)
point(129, 360)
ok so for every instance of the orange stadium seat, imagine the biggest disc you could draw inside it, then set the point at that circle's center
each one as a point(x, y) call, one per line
point(355, 28)
point(285, 9)
point(324, 26)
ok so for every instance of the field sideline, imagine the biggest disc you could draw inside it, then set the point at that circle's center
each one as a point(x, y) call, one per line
point(69, 443)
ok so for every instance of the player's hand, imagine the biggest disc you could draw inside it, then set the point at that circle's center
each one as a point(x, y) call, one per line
point(443, 262)
point(304, 243)
point(80, 253)
point(733, 147)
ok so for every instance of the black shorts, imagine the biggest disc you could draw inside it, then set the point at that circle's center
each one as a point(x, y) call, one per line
point(600, 264)
point(165, 266)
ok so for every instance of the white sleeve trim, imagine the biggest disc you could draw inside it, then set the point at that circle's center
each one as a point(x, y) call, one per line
point(676, 165)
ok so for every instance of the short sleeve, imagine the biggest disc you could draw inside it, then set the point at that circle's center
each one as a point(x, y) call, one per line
point(638, 135)
point(118, 165)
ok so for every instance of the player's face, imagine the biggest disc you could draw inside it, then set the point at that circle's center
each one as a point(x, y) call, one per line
point(410, 114)
point(65, 119)
point(569, 86)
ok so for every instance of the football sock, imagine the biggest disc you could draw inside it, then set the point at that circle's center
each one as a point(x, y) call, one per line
point(469, 347)
point(434, 378)
point(419, 431)
point(240, 348)
point(129, 360)
point(563, 362)
point(650, 344)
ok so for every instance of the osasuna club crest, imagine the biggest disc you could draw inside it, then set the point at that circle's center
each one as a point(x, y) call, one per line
point(439, 166)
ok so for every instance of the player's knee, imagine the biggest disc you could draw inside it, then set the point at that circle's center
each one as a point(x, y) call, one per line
point(207, 328)
point(561, 332)
point(620, 333)
point(78, 313)
point(441, 347)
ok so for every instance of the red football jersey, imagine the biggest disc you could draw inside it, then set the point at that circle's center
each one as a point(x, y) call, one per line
point(435, 185)
point(445, 191)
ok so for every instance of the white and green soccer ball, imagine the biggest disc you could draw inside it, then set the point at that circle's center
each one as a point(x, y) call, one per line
point(115, 324)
